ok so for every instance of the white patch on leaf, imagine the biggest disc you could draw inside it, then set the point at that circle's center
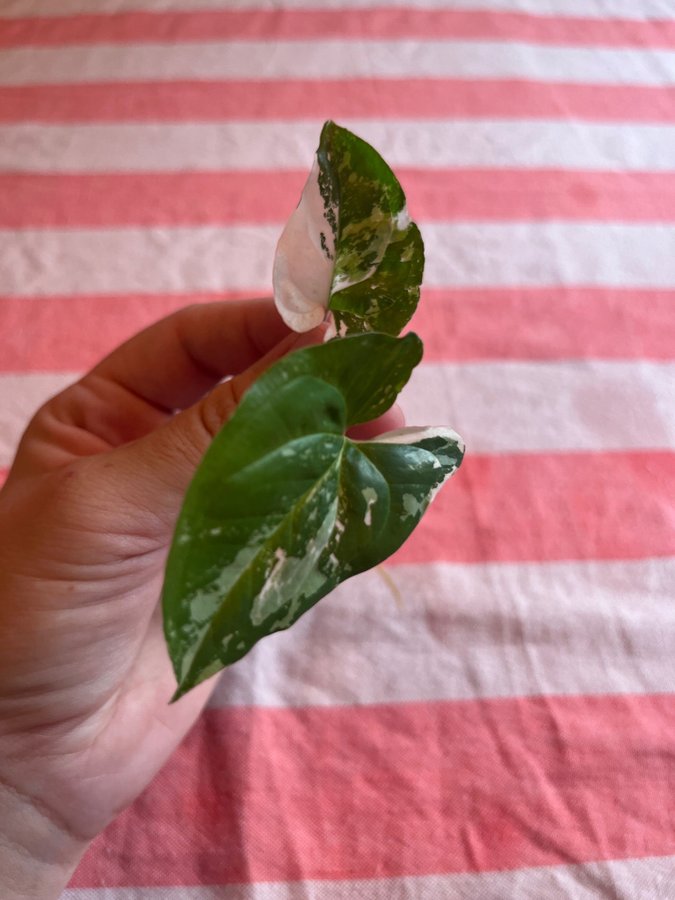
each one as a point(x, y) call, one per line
point(332, 330)
point(293, 578)
point(412, 505)
point(375, 232)
point(402, 219)
point(370, 496)
point(304, 261)
point(413, 434)
point(204, 602)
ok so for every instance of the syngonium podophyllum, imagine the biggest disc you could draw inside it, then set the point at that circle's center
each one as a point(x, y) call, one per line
point(284, 506)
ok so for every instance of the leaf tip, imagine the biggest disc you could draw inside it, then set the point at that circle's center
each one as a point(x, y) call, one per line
point(414, 341)
point(180, 691)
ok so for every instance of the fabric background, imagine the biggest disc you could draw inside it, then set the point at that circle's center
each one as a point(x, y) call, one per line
point(505, 728)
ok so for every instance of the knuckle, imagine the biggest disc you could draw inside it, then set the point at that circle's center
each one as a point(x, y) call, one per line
point(217, 407)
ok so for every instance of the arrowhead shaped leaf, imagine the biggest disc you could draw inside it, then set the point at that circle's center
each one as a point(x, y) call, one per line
point(350, 246)
point(284, 506)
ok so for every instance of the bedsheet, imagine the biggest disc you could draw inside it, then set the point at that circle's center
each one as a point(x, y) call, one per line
point(493, 716)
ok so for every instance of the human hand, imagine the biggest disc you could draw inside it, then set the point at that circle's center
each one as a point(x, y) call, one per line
point(86, 518)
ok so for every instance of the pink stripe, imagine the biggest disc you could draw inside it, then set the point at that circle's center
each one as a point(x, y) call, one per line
point(381, 22)
point(73, 333)
point(546, 324)
point(200, 198)
point(407, 789)
point(538, 506)
point(185, 198)
point(535, 507)
point(301, 99)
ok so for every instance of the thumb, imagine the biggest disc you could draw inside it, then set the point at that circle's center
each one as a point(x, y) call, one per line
point(153, 472)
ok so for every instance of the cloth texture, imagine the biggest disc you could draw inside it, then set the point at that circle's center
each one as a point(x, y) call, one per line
point(493, 715)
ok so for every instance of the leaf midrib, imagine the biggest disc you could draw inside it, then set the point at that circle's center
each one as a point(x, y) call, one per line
point(301, 500)
point(277, 449)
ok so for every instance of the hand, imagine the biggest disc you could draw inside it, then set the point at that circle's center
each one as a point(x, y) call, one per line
point(86, 517)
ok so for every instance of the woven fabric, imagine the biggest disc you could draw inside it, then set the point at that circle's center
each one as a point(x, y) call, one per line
point(493, 715)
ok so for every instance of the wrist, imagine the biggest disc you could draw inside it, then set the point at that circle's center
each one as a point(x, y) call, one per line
point(37, 855)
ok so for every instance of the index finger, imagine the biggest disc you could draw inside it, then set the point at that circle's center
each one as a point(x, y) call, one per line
point(174, 362)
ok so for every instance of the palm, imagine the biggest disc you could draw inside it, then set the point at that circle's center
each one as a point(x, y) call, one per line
point(86, 518)
point(89, 506)
point(111, 728)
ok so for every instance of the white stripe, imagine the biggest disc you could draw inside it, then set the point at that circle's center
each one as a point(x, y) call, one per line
point(497, 407)
point(21, 395)
point(549, 253)
point(44, 262)
point(510, 407)
point(80, 261)
point(337, 58)
point(600, 9)
point(630, 879)
point(581, 628)
point(594, 611)
point(218, 146)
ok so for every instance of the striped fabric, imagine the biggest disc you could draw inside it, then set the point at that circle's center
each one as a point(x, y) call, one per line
point(494, 715)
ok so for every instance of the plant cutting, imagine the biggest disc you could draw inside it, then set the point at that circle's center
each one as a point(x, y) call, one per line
point(285, 505)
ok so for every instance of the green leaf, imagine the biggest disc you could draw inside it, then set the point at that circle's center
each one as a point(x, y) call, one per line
point(350, 246)
point(284, 506)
